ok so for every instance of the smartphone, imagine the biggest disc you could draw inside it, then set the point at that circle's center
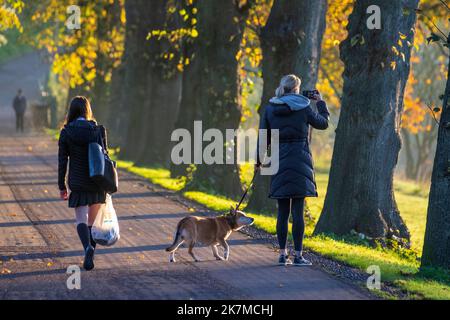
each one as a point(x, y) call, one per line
point(310, 93)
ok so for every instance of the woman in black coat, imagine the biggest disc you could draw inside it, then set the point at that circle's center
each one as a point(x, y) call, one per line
point(86, 197)
point(292, 115)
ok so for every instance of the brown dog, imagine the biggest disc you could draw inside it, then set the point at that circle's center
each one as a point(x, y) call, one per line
point(208, 231)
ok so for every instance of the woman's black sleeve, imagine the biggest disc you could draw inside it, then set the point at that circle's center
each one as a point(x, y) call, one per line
point(63, 157)
point(104, 137)
point(319, 120)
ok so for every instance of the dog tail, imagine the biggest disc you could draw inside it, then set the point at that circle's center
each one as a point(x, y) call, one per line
point(176, 241)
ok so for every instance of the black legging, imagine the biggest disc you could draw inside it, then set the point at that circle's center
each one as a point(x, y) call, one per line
point(298, 226)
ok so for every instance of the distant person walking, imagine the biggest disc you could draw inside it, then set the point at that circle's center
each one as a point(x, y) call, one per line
point(20, 106)
point(291, 114)
point(86, 196)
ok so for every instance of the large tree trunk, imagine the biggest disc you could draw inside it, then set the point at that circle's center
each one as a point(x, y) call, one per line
point(160, 109)
point(291, 42)
point(151, 95)
point(212, 94)
point(436, 248)
point(360, 192)
point(118, 114)
point(104, 62)
point(190, 90)
point(135, 64)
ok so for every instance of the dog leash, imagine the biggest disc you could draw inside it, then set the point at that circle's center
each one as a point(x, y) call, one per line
point(246, 190)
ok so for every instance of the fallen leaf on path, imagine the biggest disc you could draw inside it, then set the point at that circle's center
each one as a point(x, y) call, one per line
point(49, 264)
point(191, 210)
point(30, 148)
point(6, 271)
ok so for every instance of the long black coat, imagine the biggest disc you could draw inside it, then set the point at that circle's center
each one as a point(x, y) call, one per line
point(295, 177)
point(73, 144)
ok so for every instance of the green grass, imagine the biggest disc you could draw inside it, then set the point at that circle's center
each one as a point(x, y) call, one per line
point(399, 267)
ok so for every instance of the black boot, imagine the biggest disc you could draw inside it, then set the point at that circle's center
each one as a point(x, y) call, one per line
point(84, 234)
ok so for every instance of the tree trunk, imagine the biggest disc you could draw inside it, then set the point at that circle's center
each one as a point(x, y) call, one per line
point(118, 113)
point(104, 63)
point(291, 43)
point(436, 248)
point(212, 94)
point(136, 66)
point(360, 192)
point(189, 110)
point(163, 96)
point(151, 95)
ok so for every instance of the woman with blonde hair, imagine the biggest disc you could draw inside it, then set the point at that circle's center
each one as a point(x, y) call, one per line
point(86, 197)
point(291, 114)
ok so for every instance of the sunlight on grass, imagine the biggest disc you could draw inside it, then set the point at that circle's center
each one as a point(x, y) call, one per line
point(157, 176)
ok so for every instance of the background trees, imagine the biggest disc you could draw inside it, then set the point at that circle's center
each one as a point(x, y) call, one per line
point(360, 195)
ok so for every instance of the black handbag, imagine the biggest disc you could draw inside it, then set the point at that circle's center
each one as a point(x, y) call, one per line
point(102, 170)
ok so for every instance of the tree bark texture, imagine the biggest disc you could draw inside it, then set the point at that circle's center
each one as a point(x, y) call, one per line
point(360, 192)
point(436, 248)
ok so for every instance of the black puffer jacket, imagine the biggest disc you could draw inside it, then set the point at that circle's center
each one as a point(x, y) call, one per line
point(292, 115)
point(73, 145)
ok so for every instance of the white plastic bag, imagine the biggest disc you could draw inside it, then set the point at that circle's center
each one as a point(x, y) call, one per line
point(105, 230)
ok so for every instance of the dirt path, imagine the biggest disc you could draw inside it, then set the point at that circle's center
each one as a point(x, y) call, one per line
point(38, 241)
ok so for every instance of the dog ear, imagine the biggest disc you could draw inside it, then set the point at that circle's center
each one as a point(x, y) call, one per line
point(232, 210)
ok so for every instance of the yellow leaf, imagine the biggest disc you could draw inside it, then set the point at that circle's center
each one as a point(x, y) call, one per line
point(393, 65)
point(5, 271)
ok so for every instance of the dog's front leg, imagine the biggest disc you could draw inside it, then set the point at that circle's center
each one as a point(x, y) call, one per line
point(216, 252)
point(226, 248)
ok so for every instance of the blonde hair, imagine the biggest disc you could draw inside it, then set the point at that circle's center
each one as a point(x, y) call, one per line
point(288, 84)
